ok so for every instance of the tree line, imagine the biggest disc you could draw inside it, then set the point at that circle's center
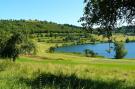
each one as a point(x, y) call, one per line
point(36, 26)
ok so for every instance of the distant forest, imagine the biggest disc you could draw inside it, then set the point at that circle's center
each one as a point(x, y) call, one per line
point(36, 26)
point(128, 30)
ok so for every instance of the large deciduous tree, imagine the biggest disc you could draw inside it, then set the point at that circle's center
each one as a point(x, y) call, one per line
point(13, 44)
point(108, 13)
point(10, 48)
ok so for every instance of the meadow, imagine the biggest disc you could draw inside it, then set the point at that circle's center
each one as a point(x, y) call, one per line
point(66, 71)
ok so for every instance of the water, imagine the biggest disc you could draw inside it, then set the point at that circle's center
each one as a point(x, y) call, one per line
point(101, 49)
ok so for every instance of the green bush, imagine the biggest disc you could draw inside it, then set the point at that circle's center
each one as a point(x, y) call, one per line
point(51, 49)
point(127, 40)
point(90, 53)
point(28, 48)
point(41, 40)
point(120, 51)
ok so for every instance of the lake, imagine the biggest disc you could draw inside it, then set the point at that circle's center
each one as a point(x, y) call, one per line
point(100, 48)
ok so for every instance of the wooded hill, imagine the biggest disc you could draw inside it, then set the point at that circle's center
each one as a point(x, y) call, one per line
point(37, 26)
point(128, 30)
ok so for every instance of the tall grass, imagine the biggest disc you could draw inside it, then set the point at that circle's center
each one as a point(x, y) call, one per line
point(60, 76)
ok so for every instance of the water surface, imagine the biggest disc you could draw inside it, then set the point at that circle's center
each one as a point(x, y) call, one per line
point(101, 49)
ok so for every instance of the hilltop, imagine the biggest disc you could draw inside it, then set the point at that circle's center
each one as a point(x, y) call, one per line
point(37, 26)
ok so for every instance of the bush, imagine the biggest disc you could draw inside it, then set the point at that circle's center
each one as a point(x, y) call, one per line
point(28, 48)
point(41, 40)
point(56, 46)
point(51, 49)
point(90, 53)
point(120, 51)
point(127, 40)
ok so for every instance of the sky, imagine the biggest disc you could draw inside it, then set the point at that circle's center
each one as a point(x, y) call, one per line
point(59, 11)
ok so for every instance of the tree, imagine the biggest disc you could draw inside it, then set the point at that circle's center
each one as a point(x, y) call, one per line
point(28, 47)
point(120, 51)
point(10, 49)
point(90, 53)
point(107, 14)
point(16, 44)
point(51, 49)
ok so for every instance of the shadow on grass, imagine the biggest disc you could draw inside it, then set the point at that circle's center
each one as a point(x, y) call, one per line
point(72, 82)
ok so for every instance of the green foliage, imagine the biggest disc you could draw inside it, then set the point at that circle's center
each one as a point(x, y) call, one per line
point(90, 53)
point(120, 51)
point(92, 38)
point(41, 40)
point(10, 49)
point(14, 43)
point(107, 14)
point(29, 48)
point(51, 49)
point(35, 26)
point(127, 40)
point(4, 36)
point(126, 30)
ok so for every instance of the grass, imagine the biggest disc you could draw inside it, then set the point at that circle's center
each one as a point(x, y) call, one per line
point(66, 71)
point(28, 73)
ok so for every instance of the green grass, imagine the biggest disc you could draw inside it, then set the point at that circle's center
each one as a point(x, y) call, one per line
point(66, 71)
point(67, 74)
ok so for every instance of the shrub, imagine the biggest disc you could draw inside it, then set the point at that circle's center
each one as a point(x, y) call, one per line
point(41, 40)
point(120, 51)
point(127, 40)
point(90, 53)
point(28, 48)
point(56, 46)
point(51, 49)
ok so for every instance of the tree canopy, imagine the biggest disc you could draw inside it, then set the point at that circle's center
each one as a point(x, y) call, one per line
point(9, 48)
point(36, 26)
point(14, 43)
point(108, 13)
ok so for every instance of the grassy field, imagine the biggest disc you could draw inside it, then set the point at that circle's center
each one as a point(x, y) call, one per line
point(66, 71)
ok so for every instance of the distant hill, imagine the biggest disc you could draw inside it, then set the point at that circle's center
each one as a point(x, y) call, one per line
point(129, 30)
point(126, 30)
point(37, 26)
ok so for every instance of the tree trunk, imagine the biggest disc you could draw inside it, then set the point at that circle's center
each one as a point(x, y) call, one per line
point(14, 59)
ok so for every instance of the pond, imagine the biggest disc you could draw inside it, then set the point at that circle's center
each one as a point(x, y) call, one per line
point(100, 48)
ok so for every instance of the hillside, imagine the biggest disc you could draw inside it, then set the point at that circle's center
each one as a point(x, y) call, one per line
point(37, 26)
point(128, 30)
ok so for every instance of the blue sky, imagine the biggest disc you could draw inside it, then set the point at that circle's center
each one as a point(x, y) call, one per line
point(60, 11)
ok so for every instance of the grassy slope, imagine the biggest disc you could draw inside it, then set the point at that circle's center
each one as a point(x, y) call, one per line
point(66, 71)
